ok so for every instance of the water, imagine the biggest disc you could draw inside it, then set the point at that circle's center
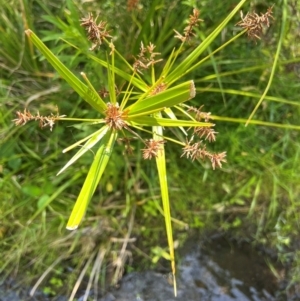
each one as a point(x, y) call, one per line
point(215, 270)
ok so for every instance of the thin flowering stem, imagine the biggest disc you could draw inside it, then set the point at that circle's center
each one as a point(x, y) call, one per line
point(200, 62)
point(88, 120)
point(163, 137)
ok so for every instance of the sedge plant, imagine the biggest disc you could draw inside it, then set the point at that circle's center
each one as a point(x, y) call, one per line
point(151, 101)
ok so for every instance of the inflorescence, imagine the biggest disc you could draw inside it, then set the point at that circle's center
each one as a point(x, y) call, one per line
point(146, 58)
point(95, 32)
point(255, 23)
point(115, 117)
point(197, 150)
point(44, 121)
point(189, 29)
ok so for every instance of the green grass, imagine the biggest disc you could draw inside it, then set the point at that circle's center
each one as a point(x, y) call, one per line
point(257, 189)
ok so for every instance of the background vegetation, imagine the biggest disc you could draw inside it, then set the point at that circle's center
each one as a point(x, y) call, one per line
point(255, 196)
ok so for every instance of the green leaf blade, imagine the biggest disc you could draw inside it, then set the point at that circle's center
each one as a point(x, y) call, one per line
point(162, 173)
point(92, 180)
point(85, 92)
point(168, 98)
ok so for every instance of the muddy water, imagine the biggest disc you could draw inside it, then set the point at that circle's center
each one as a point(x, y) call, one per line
point(218, 270)
point(215, 271)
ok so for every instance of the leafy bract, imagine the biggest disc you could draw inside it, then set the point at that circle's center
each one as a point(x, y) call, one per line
point(93, 178)
point(85, 92)
point(167, 98)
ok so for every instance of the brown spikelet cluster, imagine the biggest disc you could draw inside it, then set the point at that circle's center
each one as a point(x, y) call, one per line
point(255, 23)
point(198, 150)
point(146, 58)
point(203, 131)
point(132, 4)
point(95, 32)
point(44, 121)
point(152, 149)
point(189, 29)
point(115, 117)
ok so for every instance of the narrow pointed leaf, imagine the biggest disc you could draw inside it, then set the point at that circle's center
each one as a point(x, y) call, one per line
point(85, 92)
point(92, 180)
point(165, 99)
point(162, 173)
point(97, 136)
